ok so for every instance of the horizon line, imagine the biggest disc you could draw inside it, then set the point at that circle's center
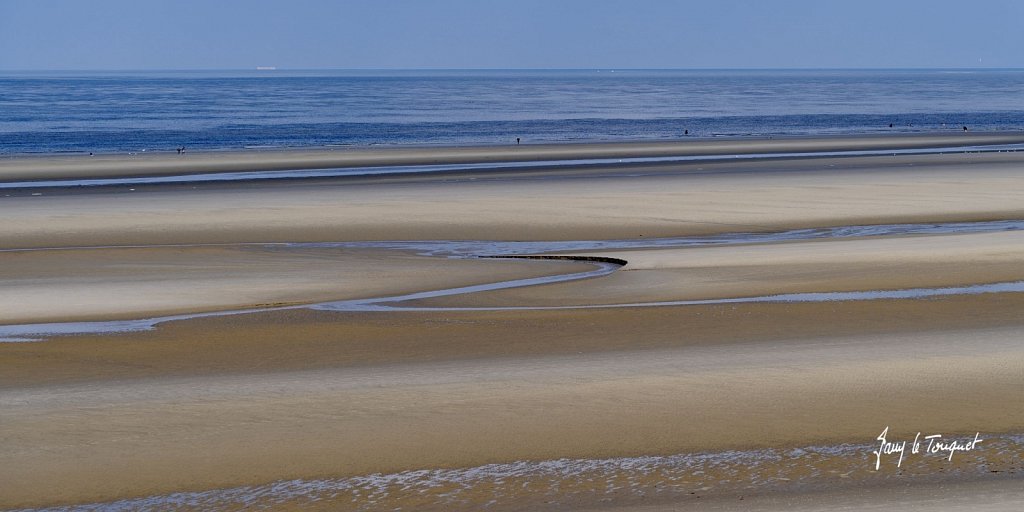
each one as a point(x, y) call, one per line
point(272, 69)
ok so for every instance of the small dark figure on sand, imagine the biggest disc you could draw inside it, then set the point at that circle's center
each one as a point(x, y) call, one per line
point(178, 150)
point(686, 132)
point(890, 125)
point(517, 141)
point(965, 128)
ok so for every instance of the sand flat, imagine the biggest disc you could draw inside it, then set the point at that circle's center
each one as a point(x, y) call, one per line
point(698, 273)
point(391, 418)
point(673, 203)
point(301, 397)
point(131, 283)
point(161, 164)
point(995, 496)
point(243, 344)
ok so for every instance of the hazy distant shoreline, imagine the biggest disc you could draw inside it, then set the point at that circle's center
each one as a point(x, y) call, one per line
point(155, 164)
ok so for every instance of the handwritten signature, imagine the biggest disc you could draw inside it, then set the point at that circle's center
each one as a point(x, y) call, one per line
point(935, 444)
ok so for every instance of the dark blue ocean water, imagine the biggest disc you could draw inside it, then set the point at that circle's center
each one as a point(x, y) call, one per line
point(157, 111)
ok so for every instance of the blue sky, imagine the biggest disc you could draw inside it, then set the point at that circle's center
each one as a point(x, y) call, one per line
point(382, 34)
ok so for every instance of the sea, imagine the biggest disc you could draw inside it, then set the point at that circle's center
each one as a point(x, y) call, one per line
point(128, 111)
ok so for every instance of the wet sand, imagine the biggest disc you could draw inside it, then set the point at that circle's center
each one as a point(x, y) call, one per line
point(131, 283)
point(774, 402)
point(695, 273)
point(674, 201)
point(953, 497)
point(17, 168)
point(694, 394)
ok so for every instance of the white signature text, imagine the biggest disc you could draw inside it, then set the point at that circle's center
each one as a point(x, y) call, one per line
point(931, 444)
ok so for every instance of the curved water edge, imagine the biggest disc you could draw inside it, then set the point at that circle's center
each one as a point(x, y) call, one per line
point(535, 250)
point(499, 248)
point(906, 293)
point(35, 332)
point(493, 166)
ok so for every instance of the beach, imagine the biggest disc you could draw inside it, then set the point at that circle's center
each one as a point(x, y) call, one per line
point(41, 167)
point(672, 332)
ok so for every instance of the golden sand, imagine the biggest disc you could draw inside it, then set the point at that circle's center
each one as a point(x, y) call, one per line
point(252, 399)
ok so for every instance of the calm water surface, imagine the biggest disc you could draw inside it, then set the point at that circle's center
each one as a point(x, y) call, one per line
point(135, 111)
